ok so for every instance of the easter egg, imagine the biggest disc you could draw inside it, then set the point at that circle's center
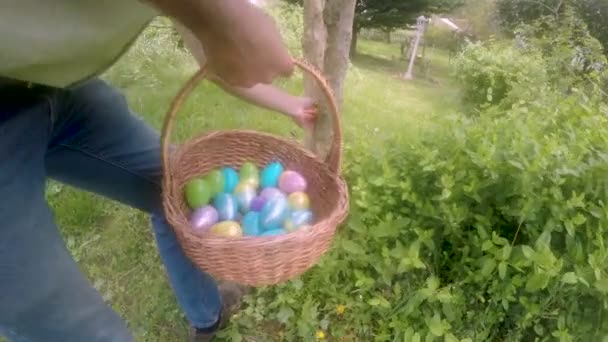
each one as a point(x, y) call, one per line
point(298, 219)
point(257, 204)
point(274, 213)
point(249, 170)
point(251, 224)
point(274, 232)
point(271, 193)
point(197, 193)
point(226, 206)
point(252, 181)
point(291, 181)
point(204, 218)
point(298, 201)
point(228, 229)
point(231, 179)
point(270, 175)
point(244, 194)
point(215, 179)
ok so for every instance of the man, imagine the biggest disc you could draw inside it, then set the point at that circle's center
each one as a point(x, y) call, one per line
point(57, 120)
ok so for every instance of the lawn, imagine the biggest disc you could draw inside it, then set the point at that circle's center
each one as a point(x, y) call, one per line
point(114, 245)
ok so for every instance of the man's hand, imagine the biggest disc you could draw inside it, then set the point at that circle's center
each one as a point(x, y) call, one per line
point(303, 110)
point(245, 47)
point(242, 44)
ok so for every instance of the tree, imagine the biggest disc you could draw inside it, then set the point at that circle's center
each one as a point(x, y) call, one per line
point(389, 15)
point(512, 13)
point(330, 30)
point(595, 15)
point(326, 44)
point(480, 17)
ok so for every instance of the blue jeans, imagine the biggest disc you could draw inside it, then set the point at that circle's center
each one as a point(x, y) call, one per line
point(88, 138)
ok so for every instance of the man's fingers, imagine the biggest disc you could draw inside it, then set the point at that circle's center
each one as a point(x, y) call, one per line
point(308, 116)
point(312, 112)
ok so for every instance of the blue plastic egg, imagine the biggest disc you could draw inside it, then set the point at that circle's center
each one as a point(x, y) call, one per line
point(231, 179)
point(270, 175)
point(226, 206)
point(274, 232)
point(274, 213)
point(251, 224)
point(297, 219)
point(244, 194)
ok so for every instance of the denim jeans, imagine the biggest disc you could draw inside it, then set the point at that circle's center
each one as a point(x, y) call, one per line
point(88, 138)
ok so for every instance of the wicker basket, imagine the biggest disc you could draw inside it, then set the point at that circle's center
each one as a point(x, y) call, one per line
point(254, 261)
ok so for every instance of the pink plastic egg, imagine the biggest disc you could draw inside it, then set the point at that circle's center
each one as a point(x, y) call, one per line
point(204, 218)
point(292, 181)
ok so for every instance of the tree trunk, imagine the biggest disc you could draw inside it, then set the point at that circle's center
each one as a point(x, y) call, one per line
point(387, 36)
point(314, 42)
point(339, 16)
point(327, 44)
point(354, 41)
point(314, 38)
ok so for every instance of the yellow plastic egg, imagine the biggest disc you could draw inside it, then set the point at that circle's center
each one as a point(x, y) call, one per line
point(253, 182)
point(228, 229)
point(298, 201)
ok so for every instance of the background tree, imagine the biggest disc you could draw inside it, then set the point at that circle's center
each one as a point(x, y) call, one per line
point(326, 44)
point(330, 37)
point(481, 18)
point(512, 13)
point(389, 15)
point(595, 15)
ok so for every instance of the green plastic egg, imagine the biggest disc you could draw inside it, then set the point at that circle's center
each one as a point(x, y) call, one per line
point(249, 170)
point(197, 193)
point(215, 179)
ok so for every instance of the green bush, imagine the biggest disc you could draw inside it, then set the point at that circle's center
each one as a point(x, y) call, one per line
point(549, 55)
point(498, 73)
point(573, 58)
point(491, 229)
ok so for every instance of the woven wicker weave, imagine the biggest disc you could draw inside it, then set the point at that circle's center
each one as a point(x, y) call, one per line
point(254, 261)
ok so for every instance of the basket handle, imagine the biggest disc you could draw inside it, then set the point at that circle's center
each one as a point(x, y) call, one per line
point(333, 158)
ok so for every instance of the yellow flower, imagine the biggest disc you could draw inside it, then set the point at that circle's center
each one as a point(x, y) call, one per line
point(320, 335)
point(340, 309)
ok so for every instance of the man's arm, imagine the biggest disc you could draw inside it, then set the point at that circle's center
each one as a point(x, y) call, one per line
point(263, 95)
point(242, 44)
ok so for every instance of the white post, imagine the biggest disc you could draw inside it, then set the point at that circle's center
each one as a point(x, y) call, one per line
point(421, 22)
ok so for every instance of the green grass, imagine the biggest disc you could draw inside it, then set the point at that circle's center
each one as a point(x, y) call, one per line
point(114, 244)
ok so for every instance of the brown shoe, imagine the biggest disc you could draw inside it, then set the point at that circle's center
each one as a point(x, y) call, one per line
point(231, 294)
